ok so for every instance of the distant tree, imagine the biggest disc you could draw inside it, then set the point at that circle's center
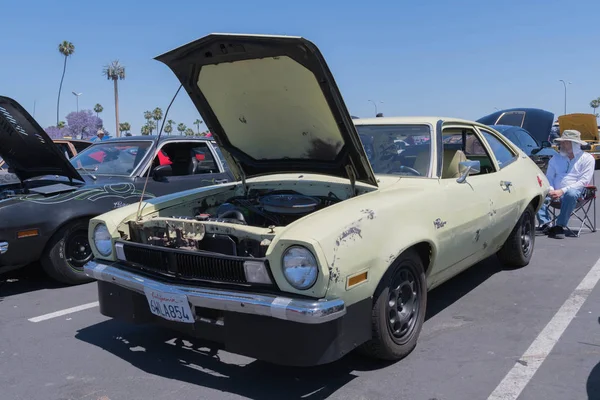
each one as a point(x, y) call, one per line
point(83, 124)
point(181, 128)
point(61, 124)
point(198, 122)
point(145, 130)
point(98, 109)
point(152, 125)
point(189, 132)
point(125, 127)
point(66, 49)
point(157, 115)
point(54, 132)
point(595, 104)
point(169, 127)
point(116, 72)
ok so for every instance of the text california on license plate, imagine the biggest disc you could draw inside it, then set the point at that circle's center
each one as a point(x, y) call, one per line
point(171, 306)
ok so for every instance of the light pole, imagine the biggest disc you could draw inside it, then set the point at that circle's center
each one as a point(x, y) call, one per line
point(77, 97)
point(565, 85)
point(375, 104)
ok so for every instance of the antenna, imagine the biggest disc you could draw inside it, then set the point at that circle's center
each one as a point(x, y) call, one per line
point(137, 218)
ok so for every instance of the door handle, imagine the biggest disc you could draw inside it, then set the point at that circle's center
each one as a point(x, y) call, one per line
point(219, 181)
point(506, 185)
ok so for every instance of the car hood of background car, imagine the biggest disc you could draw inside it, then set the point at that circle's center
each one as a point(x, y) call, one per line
point(536, 121)
point(586, 124)
point(272, 104)
point(26, 148)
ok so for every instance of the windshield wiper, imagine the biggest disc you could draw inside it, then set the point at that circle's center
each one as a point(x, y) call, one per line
point(88, 171)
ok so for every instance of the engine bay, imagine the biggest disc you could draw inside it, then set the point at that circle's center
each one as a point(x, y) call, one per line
point(212, 228)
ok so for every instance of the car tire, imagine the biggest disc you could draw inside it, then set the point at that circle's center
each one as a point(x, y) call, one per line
point(518, 248)
point(66, 253)
point(393, 341)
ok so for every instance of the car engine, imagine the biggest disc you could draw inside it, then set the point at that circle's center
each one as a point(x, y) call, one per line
point(263, 209)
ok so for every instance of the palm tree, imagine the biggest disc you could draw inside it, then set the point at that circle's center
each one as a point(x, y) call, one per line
point(169, 127)
point(181, 128)
point(148, 117)
point(145, 130)
point(189, 132)
point(125, 127)
point(66, 49)
point(98, 109)
point(115, 71)
point(595, 104)
point(157, 115)
point(197, 123)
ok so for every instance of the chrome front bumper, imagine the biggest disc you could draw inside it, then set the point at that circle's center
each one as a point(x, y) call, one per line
point(285, 308)
point(3, 247)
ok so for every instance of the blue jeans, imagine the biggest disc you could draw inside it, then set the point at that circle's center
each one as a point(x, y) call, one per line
point(568, 201)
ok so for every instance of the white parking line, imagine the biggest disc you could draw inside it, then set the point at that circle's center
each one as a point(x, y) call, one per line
point(521, 373)
point(64, 312)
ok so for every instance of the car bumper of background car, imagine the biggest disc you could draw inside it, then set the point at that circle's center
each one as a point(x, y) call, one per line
point(20, 252)
point(277, 329)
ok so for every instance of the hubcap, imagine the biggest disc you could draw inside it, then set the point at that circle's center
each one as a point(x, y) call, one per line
point(403, 304)
point(77, 249)
point(526, 235)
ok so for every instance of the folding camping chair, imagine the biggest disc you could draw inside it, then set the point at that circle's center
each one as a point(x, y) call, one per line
point(586, 202)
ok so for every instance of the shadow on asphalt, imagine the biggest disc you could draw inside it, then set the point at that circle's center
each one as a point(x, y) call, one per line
point(154, 351)
point(593, 384)
point(25, 280)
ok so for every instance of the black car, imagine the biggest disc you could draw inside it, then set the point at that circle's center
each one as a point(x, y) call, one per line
point(540, 153)
point(44, 216)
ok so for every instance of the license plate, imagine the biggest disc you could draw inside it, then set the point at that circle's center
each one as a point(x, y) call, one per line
point(171, 306)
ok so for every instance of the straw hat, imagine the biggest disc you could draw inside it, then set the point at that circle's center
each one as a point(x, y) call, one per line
point(571, 135)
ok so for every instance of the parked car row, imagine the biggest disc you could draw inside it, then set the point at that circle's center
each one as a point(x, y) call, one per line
point(313, 232)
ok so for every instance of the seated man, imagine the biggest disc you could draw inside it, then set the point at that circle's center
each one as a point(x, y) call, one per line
point(568, 172)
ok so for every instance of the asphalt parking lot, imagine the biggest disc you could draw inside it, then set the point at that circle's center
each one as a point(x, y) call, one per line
point(489, 334)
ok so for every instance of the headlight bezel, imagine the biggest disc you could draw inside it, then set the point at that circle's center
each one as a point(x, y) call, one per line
point(284, 268)
point(108, 238)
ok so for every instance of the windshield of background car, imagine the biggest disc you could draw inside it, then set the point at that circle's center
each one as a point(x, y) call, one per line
point(397, 149)
point(118, 158)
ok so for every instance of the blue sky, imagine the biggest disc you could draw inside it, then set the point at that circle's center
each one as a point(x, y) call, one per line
point(451, 58)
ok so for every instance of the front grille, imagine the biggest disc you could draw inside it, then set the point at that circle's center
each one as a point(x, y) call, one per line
point(186, 265)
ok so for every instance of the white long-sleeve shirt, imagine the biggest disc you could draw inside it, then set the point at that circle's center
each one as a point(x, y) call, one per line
point(564, 173)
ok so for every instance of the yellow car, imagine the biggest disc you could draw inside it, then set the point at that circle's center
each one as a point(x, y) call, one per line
point(321, 246)
point(587, 125)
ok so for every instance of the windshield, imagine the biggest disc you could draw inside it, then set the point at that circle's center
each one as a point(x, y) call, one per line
point(116, 158)
point(397, 149)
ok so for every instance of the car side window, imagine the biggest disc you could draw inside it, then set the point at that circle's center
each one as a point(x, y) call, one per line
point(186, 158)
point(464, 144)
point(527, 142)
point(503, 154)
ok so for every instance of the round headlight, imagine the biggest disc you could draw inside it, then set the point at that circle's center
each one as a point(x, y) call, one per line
point(300, 267)
point(102, 240)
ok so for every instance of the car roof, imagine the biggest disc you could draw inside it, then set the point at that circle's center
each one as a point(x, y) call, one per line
point(154, 139)
point(413, 120)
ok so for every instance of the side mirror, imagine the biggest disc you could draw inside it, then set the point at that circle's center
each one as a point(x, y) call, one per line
point(161, 172)
point(546, 144)
point(466, 168)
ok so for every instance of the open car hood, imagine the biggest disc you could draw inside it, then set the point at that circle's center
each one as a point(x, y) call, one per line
point(586, 124)
point(272, 105)
point(536, 121)
point(26, 148)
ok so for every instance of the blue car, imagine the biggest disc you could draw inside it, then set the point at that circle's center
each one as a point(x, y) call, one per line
point(540, 153)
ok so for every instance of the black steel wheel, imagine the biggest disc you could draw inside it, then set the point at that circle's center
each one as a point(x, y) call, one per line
point(398, 311)
point(403, 304)
point(67, 252)
point(518, 247)
point(78, 250)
